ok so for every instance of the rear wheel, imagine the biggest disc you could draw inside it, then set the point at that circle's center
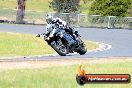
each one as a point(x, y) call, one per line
point(82, 50)
point(59, 47)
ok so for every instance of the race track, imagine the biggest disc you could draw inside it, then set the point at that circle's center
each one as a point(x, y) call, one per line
point(119, 39)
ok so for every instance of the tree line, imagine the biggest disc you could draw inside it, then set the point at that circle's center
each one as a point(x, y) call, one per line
point(98, 7)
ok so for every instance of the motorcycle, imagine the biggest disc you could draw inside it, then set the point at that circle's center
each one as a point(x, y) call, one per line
point(59, 40)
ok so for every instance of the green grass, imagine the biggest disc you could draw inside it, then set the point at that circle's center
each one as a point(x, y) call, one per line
point(62, 77)
point(41, 5)
point(14, 44)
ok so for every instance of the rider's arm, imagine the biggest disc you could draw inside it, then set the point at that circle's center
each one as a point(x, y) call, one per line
point(59, 21)
point(47, 29)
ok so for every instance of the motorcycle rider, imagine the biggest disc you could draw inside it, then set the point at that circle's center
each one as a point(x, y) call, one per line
point(52, 22)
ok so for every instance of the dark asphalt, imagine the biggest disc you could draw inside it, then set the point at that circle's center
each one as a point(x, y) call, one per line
point(120, 39)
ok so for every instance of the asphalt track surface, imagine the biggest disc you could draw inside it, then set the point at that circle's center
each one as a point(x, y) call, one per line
point(119, 39)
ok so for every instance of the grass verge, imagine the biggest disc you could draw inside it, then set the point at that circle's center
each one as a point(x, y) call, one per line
point(63, 76)
point(14, 44)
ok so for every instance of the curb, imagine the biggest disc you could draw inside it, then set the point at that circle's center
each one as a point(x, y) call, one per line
point(103, 47)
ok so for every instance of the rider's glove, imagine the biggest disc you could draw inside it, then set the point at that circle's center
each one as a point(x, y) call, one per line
point(45, 37)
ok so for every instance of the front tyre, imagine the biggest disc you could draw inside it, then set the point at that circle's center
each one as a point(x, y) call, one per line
point(59, 48)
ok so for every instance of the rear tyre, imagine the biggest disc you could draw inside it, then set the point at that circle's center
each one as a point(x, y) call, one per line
point(82, 51)
point(82, 48)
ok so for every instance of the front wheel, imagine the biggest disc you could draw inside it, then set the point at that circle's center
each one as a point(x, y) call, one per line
point(59, 47)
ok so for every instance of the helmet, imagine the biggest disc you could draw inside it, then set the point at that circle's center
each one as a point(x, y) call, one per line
point(49, 18)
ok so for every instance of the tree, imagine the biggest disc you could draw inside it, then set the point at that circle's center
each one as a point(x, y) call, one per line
point(20, 11)
point(110, 7)
point(65, 6)
point(130, 10)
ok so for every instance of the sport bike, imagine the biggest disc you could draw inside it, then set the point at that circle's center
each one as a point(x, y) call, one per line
point(59, 40)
